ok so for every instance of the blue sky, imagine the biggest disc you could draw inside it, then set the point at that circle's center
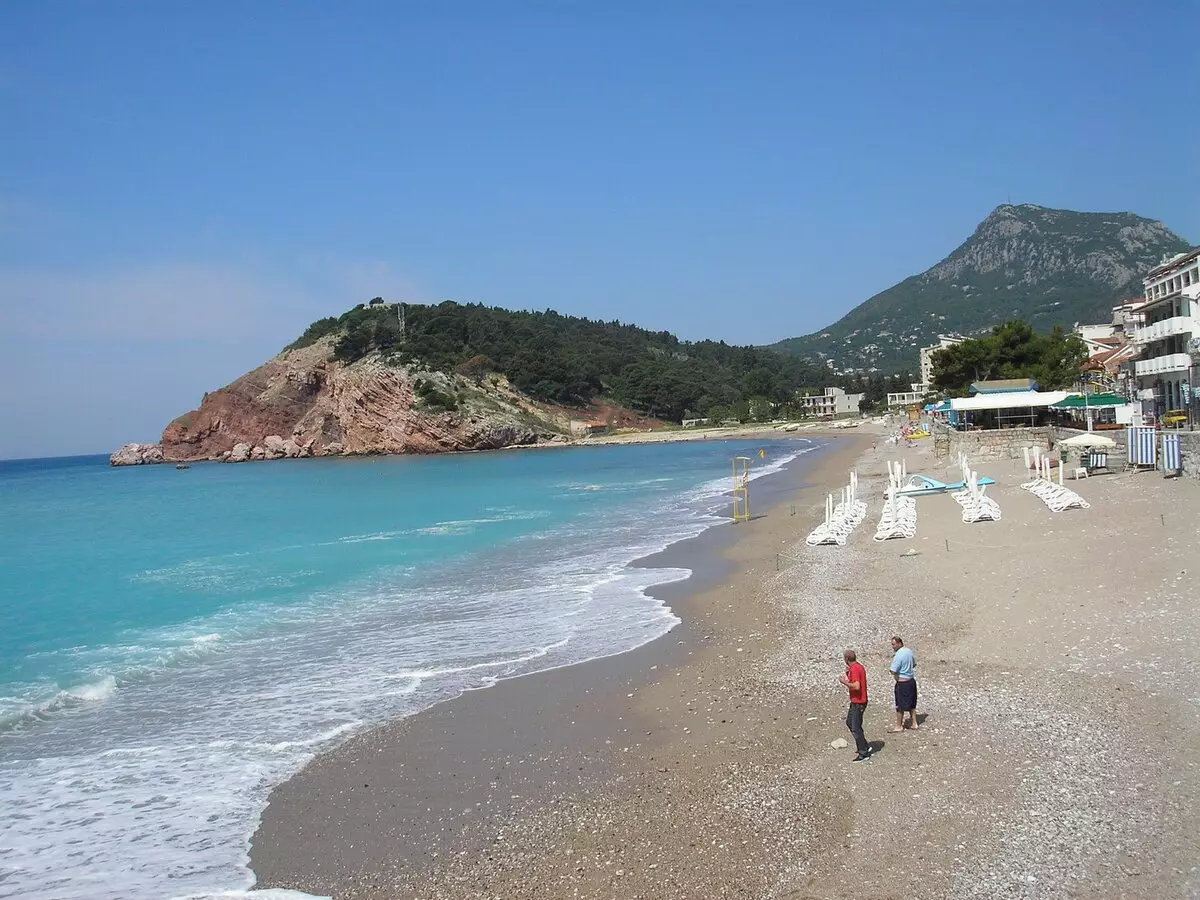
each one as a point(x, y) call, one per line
point(184, 186)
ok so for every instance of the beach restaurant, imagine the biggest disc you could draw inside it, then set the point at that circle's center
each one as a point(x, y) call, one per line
point(1006, 403)
point(1097, 411)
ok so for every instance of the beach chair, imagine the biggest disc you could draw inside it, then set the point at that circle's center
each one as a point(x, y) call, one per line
point(1096, 460)
point(841, 518)
point(976, 505)
point(1057, 497)
point(899, 517)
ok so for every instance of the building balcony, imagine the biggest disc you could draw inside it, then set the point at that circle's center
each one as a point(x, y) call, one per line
point(1176, 325)
point(1172, 362)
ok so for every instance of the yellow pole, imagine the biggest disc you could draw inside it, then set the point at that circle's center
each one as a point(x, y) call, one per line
point(741, 488)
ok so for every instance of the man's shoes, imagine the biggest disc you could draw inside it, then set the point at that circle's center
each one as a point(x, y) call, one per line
point(860, 757)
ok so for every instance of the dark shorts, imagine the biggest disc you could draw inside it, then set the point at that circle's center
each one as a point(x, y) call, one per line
point(906, 695)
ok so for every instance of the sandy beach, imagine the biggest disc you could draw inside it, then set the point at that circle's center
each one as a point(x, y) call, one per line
point(1060, 692)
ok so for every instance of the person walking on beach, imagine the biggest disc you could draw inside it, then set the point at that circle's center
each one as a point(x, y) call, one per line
point(855, 681)
point(904, 666)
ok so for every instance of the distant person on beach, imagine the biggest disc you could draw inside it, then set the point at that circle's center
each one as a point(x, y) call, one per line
point(904, 672)
point(855, 681)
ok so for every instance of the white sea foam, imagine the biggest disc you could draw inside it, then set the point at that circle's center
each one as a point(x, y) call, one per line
point(16, 712)
point(536, 653)
point(98, 690)
point(453, 526)
point(137, 791)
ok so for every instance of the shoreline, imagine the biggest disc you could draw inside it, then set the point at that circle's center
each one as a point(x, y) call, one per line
point(459, 755)
point(1059, 692)
point(134, 454)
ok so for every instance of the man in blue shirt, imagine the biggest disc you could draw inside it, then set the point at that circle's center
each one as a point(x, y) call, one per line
point(903, 667)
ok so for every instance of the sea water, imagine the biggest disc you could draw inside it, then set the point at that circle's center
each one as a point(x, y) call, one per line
point(175, 643)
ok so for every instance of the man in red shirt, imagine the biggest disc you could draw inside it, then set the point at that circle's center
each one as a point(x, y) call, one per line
point(855, 681)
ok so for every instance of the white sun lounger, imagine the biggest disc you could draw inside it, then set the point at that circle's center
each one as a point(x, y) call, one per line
point(1055, 495)
point(841, 518)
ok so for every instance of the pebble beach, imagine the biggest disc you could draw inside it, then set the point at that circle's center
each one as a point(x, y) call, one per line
point(1060, 704)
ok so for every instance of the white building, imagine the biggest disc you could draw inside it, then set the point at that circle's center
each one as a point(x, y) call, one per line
point(1125, 319)
point(1092, 334)
point(833, 402)
point(1172, 320)
point(908, 398)
point(1129, 316)
point(944, 340)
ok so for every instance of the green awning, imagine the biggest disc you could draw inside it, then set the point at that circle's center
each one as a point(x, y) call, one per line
point(1090, 401)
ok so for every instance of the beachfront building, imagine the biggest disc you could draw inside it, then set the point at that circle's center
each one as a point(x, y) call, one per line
point(1161, 373)
point(1101, 371)
point(926, 357)
point(1004, 407)
point(832, 402)
point(1130, 316)
point(1109, 346)
point(1101, 331)
point(913, 397)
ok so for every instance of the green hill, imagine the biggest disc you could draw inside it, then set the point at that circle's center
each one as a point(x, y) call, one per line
point(569, 360)
point(1045, 266)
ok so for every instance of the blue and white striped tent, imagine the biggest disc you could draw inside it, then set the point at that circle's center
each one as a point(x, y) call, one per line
point(1141, 446)
point(1172, 458)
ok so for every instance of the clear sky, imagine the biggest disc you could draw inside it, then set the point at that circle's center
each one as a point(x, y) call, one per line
point(185, 186)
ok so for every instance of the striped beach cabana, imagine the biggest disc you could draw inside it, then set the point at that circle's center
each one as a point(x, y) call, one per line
point(1172, 453)
point(1141, 447)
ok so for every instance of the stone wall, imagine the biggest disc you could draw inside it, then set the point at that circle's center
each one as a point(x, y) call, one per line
point(1189, 447)
point(1003, 443)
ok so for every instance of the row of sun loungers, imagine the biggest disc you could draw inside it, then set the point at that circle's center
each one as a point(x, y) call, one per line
point(972, 497)
point(841, 518)
point(1055, 495)
point(976, 506)
point(899, 516)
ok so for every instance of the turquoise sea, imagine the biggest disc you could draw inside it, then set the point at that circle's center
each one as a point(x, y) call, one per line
point(175, 643)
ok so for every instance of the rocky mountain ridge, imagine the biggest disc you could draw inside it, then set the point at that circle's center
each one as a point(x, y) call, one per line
point(1046, 266)
point(304, 403)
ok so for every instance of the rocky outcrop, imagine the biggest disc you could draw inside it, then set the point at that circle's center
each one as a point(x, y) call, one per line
point(137, 455)
point(302, 403)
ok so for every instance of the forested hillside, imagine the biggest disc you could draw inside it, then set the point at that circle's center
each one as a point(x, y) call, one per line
point(570, 360)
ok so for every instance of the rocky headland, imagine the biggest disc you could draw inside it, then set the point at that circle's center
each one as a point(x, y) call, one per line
point(305, 403)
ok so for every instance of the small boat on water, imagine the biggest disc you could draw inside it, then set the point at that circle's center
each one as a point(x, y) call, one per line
point(182, 466)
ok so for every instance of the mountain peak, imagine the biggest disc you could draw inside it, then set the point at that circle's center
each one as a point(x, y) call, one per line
point(1047, 266)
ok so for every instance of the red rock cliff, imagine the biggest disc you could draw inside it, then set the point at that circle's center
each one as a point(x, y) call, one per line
point(302, 403)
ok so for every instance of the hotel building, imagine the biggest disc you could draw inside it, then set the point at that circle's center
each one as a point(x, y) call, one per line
point(1171, 321)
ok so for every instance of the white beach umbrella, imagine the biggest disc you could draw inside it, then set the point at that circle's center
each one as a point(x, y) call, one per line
point(1090, 439)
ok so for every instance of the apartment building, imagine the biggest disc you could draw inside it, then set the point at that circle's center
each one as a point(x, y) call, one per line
point(833, 402)
point(1171, 316)
point(926, 355)
point(916, 396)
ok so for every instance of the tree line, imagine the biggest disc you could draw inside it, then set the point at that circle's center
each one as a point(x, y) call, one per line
point(572, 360)
point(1012, 350)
